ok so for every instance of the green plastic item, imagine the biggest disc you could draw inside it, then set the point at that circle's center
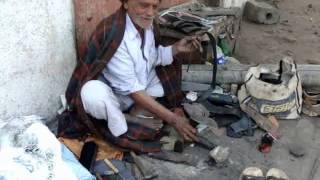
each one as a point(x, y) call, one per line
point(223, 44)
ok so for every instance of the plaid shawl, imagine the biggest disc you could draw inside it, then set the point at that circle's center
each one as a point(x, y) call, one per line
point(100, 49)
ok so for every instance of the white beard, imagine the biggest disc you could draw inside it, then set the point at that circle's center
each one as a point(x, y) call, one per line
point(28, 150)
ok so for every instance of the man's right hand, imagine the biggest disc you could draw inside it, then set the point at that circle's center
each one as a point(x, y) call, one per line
point(186, 45)
point(179, 123)
point(184, 128)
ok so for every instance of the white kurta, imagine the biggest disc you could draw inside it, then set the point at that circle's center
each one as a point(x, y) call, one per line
point(129, 71)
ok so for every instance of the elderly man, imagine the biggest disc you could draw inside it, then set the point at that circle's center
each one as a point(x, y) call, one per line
point(126, 66)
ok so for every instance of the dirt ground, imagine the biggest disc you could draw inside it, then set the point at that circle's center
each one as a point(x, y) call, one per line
point(297, 35)
point(244, 153)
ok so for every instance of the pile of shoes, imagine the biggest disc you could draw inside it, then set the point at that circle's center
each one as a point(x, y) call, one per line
point(221, 110)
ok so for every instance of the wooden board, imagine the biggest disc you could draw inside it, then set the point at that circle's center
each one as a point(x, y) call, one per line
point(235, 73)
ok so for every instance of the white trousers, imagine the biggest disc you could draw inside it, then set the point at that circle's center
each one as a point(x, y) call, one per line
point(100, 102)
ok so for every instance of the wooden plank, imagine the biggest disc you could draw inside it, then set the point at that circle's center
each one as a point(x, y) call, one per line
point(191, 86)
point(245, 67)
point(235, 74)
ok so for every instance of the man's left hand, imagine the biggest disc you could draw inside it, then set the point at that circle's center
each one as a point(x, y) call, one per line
point(187, 44)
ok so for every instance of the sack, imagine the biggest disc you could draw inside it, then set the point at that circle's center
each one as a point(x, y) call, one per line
point(273, 91)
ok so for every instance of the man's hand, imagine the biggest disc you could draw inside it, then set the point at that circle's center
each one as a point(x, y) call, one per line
point(187, 44)
point(175, 119)
point(189, 129)
point(184, 128)
point(179, 111)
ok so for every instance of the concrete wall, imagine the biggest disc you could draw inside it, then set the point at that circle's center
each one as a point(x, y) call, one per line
point(37, 55)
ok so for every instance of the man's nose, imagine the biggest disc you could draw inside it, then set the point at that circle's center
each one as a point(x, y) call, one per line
point(150, 11)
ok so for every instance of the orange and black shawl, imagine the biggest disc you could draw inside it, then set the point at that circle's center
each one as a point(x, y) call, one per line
point(101, 47)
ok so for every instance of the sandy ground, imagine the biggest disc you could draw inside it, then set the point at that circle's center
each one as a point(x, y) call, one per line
point(297, 35)
point(244, 153)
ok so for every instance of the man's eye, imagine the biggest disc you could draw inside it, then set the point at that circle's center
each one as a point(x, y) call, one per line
point(155, 7)
point(144, 5)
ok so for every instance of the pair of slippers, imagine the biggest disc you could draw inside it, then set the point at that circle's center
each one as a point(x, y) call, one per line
point(254, 173)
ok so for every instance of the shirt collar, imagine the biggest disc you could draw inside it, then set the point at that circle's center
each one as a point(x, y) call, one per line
point(132, 30)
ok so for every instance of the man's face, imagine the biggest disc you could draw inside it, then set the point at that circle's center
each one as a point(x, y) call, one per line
point(142, 12)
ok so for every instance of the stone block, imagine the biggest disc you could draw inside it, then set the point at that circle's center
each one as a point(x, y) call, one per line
point(261, 12)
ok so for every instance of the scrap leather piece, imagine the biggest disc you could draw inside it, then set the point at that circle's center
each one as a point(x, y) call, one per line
point(105, 150)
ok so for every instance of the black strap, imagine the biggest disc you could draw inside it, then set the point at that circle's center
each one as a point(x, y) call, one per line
point(214, 60)
point(250, 177)
point(207, 93)
point(274, 178)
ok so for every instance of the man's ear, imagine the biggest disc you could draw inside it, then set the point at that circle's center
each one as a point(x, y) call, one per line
point(125, 5)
